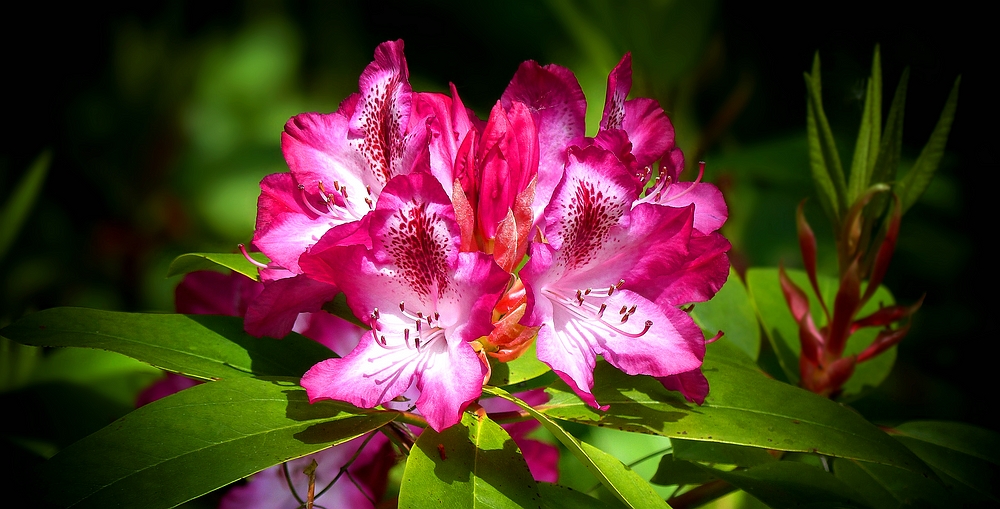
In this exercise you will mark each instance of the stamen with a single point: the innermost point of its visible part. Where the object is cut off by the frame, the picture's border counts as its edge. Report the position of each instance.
(246, 255)
(601, 312)
(308, 203)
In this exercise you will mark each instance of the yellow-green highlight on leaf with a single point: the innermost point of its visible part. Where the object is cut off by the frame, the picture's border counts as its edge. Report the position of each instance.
(473, 464)
(192, 262)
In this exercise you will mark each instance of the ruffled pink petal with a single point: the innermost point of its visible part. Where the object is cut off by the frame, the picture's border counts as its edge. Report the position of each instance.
(367, 377)
(698, 279)
(691, 384)
(619, 85)
(448, 122)
(377, 128)
(274, 311)
(649, 130)
(448, 382)
(285, 226)
(571, 358)
(710, 210)
(558, 106)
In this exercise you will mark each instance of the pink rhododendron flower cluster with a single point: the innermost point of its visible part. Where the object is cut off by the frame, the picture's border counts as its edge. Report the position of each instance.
(455, 239)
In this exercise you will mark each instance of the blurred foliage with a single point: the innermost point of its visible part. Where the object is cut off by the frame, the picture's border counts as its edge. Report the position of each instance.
(162, 118)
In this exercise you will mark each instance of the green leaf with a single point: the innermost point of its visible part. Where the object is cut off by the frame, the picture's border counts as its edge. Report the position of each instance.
(827, 172)
(19, 204)
(790, 484)
(236, 262)
(744, 407)
(867, 145)
(619, 479)
(721, 453)
(199, 346)
(916, 181)
(731, 312)
(517, 371)
(965, 457)
(783, 333)
(555, 496)
(885, 487)
(677, 471)
(198, 440)
(472, 464)
(892, 139)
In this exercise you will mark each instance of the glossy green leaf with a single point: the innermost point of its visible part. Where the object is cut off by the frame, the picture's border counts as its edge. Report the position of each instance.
(885, 487)
(824, 160)
(619, 479)
(783, 333)
(720, 453)
(200, 439)
(965, 457)
(472, 464)
(731, 312)
(916, 181)
(236, 262)
(790, 484)
(20, 201)
(867, 145)
(744, 407)
(200, 346)
(555, 496)
(517, 371)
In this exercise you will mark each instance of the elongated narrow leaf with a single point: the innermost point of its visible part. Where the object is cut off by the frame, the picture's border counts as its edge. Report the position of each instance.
(916, 181)
(192, 262)
(966, 458)
(200, 346)
(555, 496)
(867, 145)
(892, 137)
(744, 407)
(473, 464)
(885, 487)
(824, 160)
(782, 331)
(731, 312)
(19, 203)
(197, 440)
(619, 479)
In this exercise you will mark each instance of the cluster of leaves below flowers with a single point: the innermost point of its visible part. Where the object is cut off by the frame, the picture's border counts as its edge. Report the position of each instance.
(421, 214)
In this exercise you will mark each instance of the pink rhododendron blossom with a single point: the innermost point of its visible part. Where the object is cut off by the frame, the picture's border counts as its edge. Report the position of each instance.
(361, 483)
(424, 300)
(585, 281)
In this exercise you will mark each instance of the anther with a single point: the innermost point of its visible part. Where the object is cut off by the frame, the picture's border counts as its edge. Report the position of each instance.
(601, 312)
(369, 189)
(631, 309)
(402, 306)
(369, 202)
(622, 310)
(587, 291)
(620, 283)
(625, 318)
